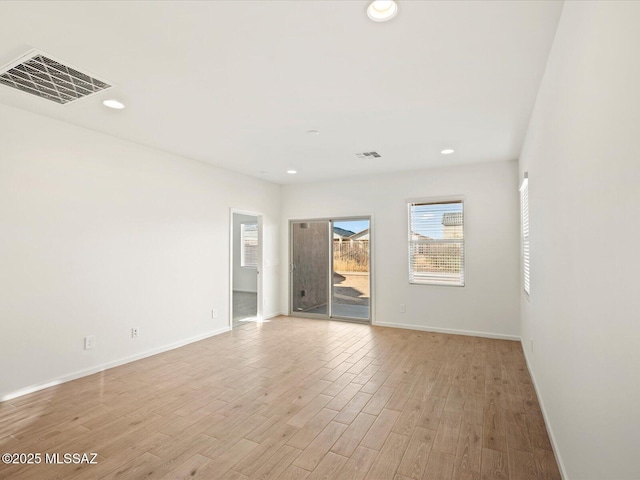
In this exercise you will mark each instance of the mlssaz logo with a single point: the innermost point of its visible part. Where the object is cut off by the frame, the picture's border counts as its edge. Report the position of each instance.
(71, 458)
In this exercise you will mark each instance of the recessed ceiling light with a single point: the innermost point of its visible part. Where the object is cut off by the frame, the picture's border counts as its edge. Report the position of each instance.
(292, 172)
(382, 10)
(113, 104)
(447, 151)
(313, 132)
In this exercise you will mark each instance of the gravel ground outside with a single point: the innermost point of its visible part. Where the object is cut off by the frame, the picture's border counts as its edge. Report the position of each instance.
(351, 288)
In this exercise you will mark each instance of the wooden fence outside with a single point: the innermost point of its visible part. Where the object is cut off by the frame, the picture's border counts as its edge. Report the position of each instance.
(351, 256)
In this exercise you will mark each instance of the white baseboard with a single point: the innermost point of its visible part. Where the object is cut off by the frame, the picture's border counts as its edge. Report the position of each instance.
(112, 364)
(554, 445)
(272, 315)
(451, 331)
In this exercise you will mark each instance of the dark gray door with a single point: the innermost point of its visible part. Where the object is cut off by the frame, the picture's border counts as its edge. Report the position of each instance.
(310, 268)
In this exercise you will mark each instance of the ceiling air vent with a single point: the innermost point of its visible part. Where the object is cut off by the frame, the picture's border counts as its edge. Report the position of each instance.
(40, 75)
(368, 155)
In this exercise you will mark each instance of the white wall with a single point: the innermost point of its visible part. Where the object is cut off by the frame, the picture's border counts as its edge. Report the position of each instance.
(245, 279)
(488, 303)
(583, 157)
(99, 235)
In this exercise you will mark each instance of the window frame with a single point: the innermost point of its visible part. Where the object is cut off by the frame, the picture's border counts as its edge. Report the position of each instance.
(243, 245)
(436, 201)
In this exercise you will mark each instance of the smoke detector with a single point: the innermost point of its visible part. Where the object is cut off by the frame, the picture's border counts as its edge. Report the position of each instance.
(368, 155)
(41, 75)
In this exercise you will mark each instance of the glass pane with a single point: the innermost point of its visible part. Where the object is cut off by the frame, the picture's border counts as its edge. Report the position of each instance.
(310, 268)
(436, 243)
(437, 221)
(249, 241)
(351, 286)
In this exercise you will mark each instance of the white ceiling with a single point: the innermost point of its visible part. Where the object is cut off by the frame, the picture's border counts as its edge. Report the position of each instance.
(238, 83)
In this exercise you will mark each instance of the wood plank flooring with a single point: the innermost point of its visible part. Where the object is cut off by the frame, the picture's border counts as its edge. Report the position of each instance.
(295, 399)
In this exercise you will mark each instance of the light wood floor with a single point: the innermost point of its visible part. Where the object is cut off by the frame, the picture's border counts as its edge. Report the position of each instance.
(295, 399)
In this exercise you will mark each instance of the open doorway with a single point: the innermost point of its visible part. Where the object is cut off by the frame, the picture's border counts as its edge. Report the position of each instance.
(246, 257)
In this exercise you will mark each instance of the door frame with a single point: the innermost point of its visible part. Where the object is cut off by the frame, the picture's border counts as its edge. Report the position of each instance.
(259, 269)
(329, 316)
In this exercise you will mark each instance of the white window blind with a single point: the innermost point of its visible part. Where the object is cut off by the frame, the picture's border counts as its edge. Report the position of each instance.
(249, 241)
(524, 213)
(436, 243)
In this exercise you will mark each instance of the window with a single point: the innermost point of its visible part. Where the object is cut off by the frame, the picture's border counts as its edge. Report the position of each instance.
(436, 243)
(249, 242)
(524, 217)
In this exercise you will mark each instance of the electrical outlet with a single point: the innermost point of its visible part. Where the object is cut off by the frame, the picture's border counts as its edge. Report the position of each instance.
(403, 308)
(135, 332)
(214, 313)
(89, 342)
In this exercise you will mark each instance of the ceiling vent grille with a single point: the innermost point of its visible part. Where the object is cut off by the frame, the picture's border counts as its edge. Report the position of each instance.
(40, 75)
(368, 155)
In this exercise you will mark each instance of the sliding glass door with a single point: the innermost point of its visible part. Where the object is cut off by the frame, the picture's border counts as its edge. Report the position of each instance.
(330, 268)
